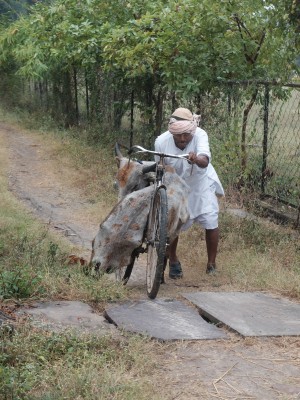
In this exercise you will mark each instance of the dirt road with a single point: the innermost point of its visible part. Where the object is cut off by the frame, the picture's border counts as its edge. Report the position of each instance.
(34, 180)
(238, 368)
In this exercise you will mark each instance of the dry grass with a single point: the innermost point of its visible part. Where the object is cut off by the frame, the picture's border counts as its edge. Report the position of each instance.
(55, 366)
(37, 364)
(238, 369)
(254, 255)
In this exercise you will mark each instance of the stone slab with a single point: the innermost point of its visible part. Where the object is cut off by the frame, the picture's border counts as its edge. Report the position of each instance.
(250, 314)
(61, 315)
(164, 319)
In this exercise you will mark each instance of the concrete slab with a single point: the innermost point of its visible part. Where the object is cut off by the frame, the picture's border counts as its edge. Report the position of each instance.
(61, 315)
(164, 319)
(250, 314)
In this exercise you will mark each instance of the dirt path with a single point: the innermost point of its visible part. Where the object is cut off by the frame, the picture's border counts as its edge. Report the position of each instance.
(34, 179)
(238, 368)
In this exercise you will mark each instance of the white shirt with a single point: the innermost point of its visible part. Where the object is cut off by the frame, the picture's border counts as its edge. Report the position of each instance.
(203, 182)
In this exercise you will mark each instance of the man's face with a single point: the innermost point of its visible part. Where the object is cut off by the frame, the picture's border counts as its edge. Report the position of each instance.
(182, 140)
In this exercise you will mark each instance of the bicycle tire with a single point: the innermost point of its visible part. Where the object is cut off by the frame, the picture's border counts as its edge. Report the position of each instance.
(156, 242)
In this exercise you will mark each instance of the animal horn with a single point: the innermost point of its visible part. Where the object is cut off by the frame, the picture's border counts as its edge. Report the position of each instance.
(149, 168)
(118, 151)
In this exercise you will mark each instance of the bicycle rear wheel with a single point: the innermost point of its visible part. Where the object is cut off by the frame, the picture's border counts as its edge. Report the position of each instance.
(156, 242)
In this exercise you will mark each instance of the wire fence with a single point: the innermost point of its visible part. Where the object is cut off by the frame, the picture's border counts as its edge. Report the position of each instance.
(254, 127)
(254, 132)
(262, 124)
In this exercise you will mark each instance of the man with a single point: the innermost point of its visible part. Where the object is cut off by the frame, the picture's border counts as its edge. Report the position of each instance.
(185, 137)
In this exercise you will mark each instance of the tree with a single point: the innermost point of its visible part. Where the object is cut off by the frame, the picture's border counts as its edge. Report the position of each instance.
(155, 48)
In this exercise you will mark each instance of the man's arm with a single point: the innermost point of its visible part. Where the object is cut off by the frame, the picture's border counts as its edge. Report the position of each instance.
(200, 160)
(201, 155)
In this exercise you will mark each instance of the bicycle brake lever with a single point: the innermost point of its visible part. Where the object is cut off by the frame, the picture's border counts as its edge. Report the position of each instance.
(135, 149)
(186, 157)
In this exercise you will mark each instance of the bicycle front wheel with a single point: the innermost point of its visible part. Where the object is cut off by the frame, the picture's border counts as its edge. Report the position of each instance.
(157, 241)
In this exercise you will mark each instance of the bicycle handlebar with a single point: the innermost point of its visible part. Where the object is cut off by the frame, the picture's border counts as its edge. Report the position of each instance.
(140, 149)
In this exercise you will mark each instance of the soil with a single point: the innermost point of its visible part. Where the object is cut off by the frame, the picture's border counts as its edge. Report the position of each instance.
(238, 368)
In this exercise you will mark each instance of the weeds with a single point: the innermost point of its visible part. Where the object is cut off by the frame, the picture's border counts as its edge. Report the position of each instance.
(20, 283)
(36, 365)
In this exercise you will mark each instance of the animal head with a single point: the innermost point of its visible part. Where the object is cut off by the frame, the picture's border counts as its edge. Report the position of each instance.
(132, 175)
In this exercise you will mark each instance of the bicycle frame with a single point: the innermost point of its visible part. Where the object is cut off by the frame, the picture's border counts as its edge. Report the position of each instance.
(155, 235)
(160, 168)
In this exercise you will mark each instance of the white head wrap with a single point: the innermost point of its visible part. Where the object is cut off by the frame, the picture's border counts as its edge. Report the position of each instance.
(183, 121)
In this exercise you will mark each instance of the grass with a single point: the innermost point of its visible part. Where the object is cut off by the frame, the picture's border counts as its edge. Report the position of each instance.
(254, 254)
(37, 365)
(34, 364)
(34, 264)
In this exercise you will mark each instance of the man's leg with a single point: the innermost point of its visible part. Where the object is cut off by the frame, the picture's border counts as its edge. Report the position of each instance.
(172, 251)
(212, 240)
(175, 271)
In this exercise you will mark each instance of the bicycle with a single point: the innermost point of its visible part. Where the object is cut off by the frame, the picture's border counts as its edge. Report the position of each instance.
(155, 239)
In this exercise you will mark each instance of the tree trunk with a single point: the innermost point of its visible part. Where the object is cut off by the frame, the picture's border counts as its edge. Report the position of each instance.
(87, 100)
(244, 128)
(69, 111)
(76, 96)
(159, 112)
(149, 88)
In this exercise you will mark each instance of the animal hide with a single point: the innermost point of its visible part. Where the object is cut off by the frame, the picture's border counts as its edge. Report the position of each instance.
(123, 229)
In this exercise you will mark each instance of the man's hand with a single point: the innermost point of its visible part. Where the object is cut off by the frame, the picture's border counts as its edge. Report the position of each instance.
(200, 161)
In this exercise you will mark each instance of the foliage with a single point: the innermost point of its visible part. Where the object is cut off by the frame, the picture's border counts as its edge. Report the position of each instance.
(189, 44)
(14, 8)
(161, 46)
(91, 62)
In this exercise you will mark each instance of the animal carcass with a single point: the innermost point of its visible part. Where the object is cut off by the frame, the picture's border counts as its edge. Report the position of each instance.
(123, 230)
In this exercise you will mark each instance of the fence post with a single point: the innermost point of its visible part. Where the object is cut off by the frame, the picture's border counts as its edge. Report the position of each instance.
(265, 138)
